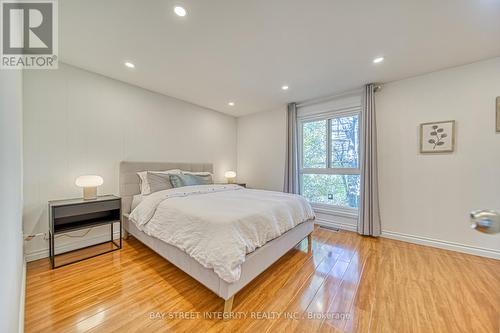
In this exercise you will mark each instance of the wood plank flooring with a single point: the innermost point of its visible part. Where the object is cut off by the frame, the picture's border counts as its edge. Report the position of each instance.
(348, 284)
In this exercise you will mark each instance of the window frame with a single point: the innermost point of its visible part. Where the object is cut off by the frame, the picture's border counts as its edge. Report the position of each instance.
(328, 116)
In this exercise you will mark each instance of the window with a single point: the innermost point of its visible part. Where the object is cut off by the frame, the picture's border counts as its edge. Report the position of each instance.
(329, 162)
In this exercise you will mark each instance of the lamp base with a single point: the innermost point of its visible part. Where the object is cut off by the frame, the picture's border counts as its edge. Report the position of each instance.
(90, 193)
(230, 180)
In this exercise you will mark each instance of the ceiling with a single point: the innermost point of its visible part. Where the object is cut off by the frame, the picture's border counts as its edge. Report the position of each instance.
(244, 51)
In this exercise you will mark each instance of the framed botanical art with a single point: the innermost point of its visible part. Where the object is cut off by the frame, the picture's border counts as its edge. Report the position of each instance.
(437, 137)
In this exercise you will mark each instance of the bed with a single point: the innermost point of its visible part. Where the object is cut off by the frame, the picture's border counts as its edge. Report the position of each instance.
(254, 263)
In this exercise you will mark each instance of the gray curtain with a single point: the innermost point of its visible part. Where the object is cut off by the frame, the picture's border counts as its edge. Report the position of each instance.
(369, 214)
(291, 184)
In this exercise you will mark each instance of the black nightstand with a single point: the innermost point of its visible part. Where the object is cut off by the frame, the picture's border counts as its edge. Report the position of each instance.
(76, 214)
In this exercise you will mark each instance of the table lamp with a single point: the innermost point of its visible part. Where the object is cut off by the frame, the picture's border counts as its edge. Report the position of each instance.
(89, 184)
(230, 176)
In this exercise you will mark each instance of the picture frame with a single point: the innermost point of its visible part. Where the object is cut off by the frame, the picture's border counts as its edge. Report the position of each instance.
(498, 115)
(437, 137)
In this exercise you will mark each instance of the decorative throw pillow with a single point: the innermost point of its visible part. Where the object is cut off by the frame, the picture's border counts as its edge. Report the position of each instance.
(196, 173)
(207, 176)
(189, 180)
(204, 174)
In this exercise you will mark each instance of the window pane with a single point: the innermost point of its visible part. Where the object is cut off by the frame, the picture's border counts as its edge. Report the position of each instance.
(345, 142)
(314, 144)
(338, 190)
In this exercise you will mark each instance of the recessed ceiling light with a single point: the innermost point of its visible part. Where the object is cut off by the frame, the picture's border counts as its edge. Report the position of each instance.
(378, 60)
(180, 11)
(284, 87)
(129, 64)
(230, 103)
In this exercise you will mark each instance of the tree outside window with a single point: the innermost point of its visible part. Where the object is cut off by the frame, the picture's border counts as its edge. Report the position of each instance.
(330, 161)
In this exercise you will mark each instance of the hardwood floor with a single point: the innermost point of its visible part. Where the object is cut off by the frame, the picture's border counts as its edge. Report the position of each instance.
(349, 283)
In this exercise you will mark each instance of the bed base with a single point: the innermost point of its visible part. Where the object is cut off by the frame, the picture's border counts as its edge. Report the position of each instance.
(255, 262)
(228, 303)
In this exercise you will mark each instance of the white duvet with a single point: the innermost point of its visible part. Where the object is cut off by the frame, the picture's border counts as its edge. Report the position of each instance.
(218, 225)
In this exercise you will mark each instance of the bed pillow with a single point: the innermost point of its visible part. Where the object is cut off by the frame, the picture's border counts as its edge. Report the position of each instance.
(158, 181)
(190, 179)
(144, 182)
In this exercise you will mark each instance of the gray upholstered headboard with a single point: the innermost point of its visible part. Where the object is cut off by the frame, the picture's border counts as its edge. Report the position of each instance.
(129, 181)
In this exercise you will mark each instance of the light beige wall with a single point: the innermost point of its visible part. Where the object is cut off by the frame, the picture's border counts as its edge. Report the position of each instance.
(262, 149)
(11, 236)
(77, 122)
(430, 196)
(424, 198)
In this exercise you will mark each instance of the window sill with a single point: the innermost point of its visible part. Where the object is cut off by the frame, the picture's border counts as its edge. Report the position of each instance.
(335, 210)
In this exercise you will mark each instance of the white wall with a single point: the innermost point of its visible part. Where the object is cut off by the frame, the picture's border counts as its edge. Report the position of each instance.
(424, 198)
(11, 236)
(430, 196)
(77, 122)
(262, 149)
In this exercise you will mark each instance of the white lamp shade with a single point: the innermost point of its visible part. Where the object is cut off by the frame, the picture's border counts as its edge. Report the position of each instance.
(230, 174)
(89, 181)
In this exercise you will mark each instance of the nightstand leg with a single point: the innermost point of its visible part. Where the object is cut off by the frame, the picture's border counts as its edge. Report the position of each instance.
(121, 230)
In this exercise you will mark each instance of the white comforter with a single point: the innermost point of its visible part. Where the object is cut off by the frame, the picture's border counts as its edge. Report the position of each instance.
(218, 225)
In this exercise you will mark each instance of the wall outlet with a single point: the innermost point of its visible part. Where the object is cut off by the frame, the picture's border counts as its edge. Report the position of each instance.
(31, 236)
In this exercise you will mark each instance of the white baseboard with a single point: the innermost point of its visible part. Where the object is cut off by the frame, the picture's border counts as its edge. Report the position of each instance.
(22, 299)
(437, 243)
(441, 244)
(335, 225)
(86, 241)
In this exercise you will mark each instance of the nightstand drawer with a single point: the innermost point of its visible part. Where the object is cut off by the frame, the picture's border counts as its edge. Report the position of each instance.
(87, 208)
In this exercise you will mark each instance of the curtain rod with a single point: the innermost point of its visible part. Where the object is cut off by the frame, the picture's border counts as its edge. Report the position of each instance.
(378, 87)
